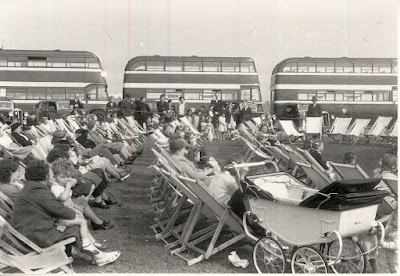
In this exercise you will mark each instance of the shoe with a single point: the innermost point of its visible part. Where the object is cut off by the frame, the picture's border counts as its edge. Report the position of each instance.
(90, 249)
(107, 258)
(124, 175)
(110, 202)
(101, 205)
(104, 226)
(132, 158)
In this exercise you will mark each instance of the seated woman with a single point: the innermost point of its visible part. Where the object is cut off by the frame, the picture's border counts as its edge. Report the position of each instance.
(224, 184)
(269, 132)
(36, 210)
(316, 151)
(179, 149)
(10, 174)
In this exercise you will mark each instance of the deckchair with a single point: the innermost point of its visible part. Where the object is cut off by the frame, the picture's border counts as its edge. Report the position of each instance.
(339, 128)
(19, 253)
(186, 122)
(392, 184)
(356, 130)
(280, 157)
(379, 127)
(390, 135)
(257, 121)
(316, 178)
(292, 167)
(290, 131)
(174, 230)
(314, 126)
(6, 205)
(251, 126)
(252, 151)
(224, 216)
(347, 171)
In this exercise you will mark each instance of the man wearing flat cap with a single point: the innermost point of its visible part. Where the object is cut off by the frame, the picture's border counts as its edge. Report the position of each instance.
(314, 109)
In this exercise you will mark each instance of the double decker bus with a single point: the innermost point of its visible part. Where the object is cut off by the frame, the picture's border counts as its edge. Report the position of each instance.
(195, 78)
(28, 76)
(353, 87)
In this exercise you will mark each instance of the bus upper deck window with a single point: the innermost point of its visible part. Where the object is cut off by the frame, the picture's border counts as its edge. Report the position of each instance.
(56, 62)
(395, 69)
(210, 66)
(381, 68)
(230, 67)
(173, 66)
(139, 66)
(247, 67)
(192, 66)
(366, 68)
(291, 67)
(155, 66)
(37, 61)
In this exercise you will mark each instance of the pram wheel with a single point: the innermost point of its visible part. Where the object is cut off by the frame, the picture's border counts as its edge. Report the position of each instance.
(307, 259)
(268, 256)
(351, 259)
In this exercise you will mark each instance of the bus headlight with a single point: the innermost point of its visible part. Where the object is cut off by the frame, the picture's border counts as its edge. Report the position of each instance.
(333, 117)
(10, 114)
(103, 74)
(26, 114)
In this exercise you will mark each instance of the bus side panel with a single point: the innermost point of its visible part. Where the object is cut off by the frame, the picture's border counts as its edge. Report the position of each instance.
(339, 80)
(49, 76)
(190, 78)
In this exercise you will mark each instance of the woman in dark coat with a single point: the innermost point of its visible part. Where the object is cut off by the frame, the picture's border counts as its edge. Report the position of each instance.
(36, 209)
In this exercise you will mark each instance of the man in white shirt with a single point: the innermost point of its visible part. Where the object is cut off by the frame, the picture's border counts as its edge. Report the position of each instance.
(182, 107)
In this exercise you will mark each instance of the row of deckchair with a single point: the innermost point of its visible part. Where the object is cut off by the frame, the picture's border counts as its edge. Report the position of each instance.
(343, 130)
(191, 228)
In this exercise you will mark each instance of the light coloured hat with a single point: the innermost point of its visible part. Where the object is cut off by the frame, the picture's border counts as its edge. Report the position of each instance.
(163, 142)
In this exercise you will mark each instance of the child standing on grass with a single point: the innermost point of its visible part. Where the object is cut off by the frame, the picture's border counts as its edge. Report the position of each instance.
(389, 243)
(222, 128)
(210, 131)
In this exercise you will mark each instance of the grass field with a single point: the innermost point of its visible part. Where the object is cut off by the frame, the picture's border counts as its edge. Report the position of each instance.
(141, 253)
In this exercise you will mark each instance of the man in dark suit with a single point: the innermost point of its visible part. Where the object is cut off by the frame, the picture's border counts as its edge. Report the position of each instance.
(162, 106)
(314, 109)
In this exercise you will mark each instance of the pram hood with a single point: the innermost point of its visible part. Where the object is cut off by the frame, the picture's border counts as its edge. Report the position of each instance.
(346, 194)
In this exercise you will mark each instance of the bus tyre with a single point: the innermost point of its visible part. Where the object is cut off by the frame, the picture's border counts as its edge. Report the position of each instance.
(100, 114)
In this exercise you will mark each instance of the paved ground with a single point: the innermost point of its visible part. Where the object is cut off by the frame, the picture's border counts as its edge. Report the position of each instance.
(141, 253)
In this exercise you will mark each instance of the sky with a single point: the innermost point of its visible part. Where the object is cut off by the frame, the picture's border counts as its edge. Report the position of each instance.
(266, 30)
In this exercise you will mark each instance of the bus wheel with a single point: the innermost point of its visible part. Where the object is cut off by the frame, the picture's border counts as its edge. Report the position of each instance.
(100, 114)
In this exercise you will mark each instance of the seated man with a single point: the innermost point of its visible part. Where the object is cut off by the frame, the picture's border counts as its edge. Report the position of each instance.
(17, 151)
(37, 151)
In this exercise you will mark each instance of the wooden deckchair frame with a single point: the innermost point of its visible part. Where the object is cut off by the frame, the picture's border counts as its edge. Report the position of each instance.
(390, 135)
(15, 253)
(356, 130)
(224, 215)
(342, 171)
(318, 179)
(285, 124)
(313, 122)
(339, 128)
(379, 127)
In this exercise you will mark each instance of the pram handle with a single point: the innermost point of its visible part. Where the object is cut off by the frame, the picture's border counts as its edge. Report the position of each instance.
(247, 165)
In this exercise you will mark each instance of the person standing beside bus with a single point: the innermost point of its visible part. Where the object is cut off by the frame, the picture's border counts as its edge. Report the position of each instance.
(182, 108)
(162, 106)
(75, 104)
(111, 106)
(314, 109)
(126, 106)
(143, 111)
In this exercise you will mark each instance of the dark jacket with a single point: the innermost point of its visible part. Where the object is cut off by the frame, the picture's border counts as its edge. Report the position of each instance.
(21, 140)
(35, 211)
(318, 157)
(314, 111)
(162, 106)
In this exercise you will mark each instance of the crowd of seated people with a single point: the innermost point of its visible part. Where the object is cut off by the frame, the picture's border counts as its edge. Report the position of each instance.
(62, 169)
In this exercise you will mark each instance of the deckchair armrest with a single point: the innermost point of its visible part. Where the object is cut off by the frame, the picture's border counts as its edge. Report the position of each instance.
(60, 243)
